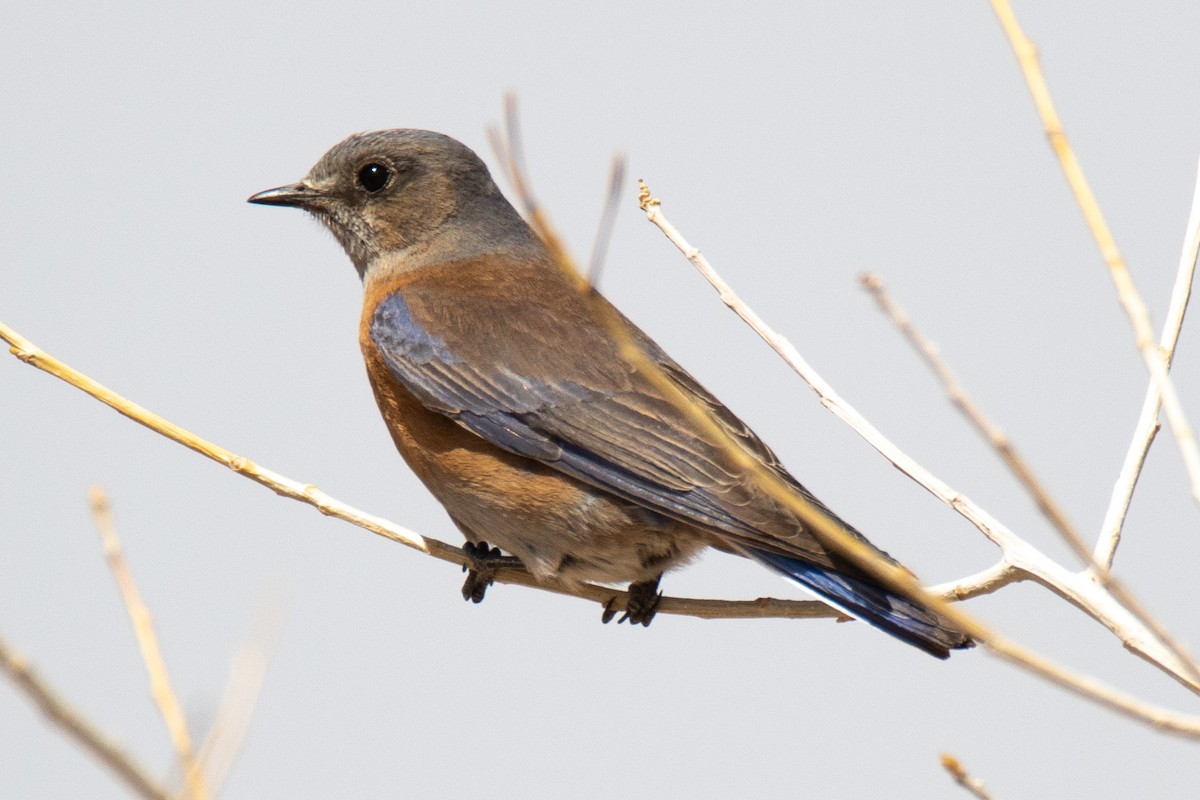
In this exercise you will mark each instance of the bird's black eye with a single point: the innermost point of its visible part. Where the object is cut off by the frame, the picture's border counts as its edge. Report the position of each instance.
(373, 177)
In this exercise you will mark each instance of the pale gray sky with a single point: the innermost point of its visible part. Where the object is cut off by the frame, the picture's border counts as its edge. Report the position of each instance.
(797, 147)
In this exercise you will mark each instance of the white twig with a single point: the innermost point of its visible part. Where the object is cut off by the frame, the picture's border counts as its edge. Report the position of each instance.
(1023, 472)
(1147, 424)
(1127, 293)
(990, 431)
(1018, 555)
(985, 581)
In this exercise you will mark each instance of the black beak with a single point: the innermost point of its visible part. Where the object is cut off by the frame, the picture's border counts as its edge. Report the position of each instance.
(296, 194)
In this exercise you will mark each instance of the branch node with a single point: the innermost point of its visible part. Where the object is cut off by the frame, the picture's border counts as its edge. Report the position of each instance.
(645, 200)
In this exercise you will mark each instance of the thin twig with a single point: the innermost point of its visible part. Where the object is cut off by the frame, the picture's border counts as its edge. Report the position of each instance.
(1147, 424)
(1018, 554)
(506, 143)
(832, 533)
(90, 737)
(223, 743)
(608, 218)
(985, 581)
(1022, 470)
(143, 627)
(1127, 294)
(762, 608)
(1016, 463)
(830, 530)
(963, 778)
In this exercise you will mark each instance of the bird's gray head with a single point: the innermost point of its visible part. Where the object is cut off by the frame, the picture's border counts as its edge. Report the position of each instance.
(398, 191)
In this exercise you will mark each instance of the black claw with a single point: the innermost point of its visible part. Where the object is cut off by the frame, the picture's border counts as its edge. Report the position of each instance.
(641, 606)
(609, 611)
(484, 562)
(475, 586)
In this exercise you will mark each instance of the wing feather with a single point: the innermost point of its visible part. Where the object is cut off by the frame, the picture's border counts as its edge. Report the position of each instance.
(565, 397)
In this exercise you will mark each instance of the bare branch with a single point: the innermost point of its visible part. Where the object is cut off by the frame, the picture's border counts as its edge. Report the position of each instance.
(612, 202)
(510, 152)
(143, 627)
(1023, 471)
(1020, 559)
(1127, 293)
(985, 581)
(991, 432)
(1147, 424)
(830, 530)
(246, 674)
(91, 738)
(963, 778)
(1018, 555)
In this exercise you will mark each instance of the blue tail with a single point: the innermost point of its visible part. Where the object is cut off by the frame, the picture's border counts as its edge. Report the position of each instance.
(887, 611)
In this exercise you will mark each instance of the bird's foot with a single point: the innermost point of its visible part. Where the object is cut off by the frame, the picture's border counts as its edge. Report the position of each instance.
(485, 561)
(641, 605)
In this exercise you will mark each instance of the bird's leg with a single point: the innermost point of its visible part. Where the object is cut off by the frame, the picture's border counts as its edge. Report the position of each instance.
(641, 605)
(485, 561)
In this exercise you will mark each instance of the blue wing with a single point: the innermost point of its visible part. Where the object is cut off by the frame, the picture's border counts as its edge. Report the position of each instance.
(613, 433)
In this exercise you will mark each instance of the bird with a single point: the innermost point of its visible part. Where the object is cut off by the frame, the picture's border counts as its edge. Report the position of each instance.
(543, 420)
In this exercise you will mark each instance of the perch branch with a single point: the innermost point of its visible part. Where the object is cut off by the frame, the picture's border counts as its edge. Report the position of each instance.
(761, 608)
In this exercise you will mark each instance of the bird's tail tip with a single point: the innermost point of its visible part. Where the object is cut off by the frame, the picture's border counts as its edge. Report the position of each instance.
(873, 604)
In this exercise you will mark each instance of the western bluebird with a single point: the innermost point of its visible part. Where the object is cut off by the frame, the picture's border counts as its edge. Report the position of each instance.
(508, 395)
